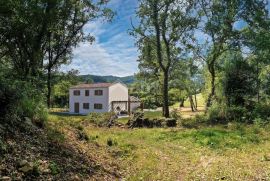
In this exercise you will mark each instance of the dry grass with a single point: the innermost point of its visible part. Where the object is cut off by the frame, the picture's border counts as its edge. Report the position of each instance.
(237, 152)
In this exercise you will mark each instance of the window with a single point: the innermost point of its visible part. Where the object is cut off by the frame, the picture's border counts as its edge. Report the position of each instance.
(86, 92)
(76, 92)
(98, 92)
(86, 105)
(97, 106)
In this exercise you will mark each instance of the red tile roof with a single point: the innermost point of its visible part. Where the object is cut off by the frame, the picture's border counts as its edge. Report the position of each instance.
(96, 85)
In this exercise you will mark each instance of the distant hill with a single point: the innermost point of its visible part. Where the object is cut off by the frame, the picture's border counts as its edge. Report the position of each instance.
(109, 78)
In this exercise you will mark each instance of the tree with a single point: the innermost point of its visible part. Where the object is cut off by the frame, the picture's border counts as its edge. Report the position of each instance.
(66, 31)
(38, 35)
(218, 18)
(187, 78)
(165, 26)
(61, 84)
(256, 37)
(238, 80)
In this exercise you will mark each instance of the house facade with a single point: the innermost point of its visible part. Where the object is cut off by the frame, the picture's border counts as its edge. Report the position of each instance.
(100, 97)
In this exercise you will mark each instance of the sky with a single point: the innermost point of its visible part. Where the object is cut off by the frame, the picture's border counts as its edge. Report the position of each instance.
(114, 51)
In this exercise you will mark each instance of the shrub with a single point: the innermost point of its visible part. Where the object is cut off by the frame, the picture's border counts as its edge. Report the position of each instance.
(138, 120)
(3, 146)
(222, 114)
(82, 135)
(260, 122)
(195, 122)
(111, 142)
(99, 119)
(27, 102)
(171, 122)
(80, 127)
(236, 113)
(175, 114)
(262, 110)
(54, 168)
(216, 114)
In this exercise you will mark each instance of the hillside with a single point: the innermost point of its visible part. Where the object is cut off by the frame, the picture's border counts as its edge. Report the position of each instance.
(97, 78)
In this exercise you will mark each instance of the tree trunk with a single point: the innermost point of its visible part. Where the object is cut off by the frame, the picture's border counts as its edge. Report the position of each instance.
(182, 101)
(166, 95)
(49, 86)
(213, 88)
(196, 103)
(191, 103)
(258, 82)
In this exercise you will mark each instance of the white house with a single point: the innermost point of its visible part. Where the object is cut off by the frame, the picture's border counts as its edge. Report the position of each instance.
(101, 97)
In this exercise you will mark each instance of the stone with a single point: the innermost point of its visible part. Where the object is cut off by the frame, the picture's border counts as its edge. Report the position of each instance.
(46, 170)
(22, 163)
(27, 167)
(76, 178)
(170, 122)
(5, 178)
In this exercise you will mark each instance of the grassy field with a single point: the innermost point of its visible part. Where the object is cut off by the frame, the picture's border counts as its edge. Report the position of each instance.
(231, 152)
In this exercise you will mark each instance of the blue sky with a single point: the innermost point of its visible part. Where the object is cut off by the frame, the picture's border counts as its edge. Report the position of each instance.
(113, 52)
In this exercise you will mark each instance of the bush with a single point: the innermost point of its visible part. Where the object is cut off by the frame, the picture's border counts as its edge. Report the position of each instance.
(138, 120)
(111, 142)
(216, 114)
(27, 102)
(195, 122)
(54, 168)
(236, 113)
(3, 146)
(82, 135)
(262, 110)
(222, 114)
(175, 114)
(99, 119)
(260, 122)
(171, 122)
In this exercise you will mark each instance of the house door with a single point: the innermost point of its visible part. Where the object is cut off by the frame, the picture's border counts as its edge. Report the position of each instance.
(76, 107)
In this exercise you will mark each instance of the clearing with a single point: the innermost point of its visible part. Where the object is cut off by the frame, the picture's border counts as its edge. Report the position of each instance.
(222, 152)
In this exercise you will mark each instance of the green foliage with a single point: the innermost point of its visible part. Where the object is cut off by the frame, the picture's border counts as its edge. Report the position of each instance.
(216, 114)
(111, 142)
(175, 114)
(262, 110)
(195, 122)
(236, 113)
(55, 135)
(3, 146)
(99, 119)
(20, 99)
(54, 168)
(239, 80)
(34, 109)
(82, 135)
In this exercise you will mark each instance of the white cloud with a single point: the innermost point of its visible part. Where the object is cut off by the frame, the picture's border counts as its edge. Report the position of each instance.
(113, 52)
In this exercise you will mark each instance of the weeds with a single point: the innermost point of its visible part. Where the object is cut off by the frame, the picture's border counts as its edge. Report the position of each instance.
(54, 168)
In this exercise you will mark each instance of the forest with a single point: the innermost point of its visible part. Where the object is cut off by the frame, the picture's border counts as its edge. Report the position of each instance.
(203, 78)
